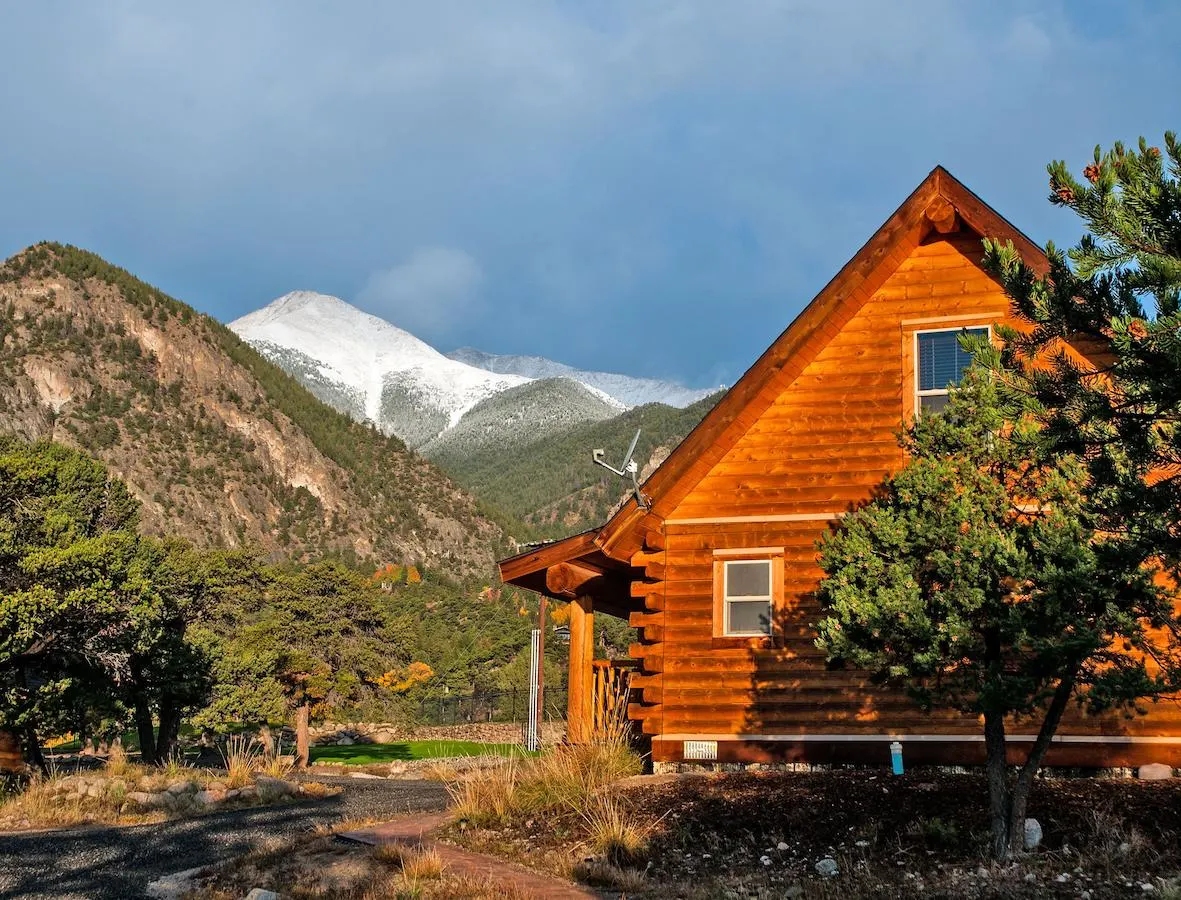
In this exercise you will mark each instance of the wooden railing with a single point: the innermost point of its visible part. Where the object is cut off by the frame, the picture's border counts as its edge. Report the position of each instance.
(609, 704)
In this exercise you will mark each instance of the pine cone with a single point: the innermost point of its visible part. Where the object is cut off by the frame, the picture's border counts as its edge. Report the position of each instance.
(1137, 329)
(1154, 151)
(1065, 194)
(1092, 173)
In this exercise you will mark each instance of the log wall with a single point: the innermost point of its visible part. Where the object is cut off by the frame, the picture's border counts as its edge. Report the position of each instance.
(823, 445)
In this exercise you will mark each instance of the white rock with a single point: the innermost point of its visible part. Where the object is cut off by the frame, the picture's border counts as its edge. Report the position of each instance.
(174, 886)
(1031, 877)
(1154, 772)
(1147, 888)
(861, 844)
(261, 894)
(782, 845)
(1033, 833)
(1063, 878)
(827, 867)
(765, 860)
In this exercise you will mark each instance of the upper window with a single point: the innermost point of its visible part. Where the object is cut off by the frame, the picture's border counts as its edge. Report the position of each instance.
(747, 597)
(941, 363)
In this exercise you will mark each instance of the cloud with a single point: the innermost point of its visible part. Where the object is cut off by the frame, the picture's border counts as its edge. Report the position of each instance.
(429, 294)
(623, 170)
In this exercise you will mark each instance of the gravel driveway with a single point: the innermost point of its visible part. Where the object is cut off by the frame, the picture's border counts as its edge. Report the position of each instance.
(119, 862)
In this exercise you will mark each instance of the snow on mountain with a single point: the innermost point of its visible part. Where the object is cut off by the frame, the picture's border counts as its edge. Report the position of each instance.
(522, 415)
(367, 367)
(626, 389)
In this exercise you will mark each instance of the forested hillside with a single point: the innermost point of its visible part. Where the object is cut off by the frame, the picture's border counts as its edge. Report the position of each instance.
(552, 485)
(219, 445)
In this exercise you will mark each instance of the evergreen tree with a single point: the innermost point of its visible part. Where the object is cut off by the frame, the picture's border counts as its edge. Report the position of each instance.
(67, 539)
(1101, 366)
(977, 578)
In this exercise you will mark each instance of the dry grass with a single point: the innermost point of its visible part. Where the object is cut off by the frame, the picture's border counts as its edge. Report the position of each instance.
(615, 833)
(440, 771)
(42, 805)
(240, 759)
(604, 875)
(566, 777)
(317, 790)
(415, 863)
(118, 765)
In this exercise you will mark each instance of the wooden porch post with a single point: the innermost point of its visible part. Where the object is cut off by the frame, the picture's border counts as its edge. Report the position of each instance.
(580, 700)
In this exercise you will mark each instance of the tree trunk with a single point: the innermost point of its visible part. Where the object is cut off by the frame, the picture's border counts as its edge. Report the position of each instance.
(999, 797)
(33, 750)
(143, 726)
(1020, 796)
(302, 751)
(169, 730)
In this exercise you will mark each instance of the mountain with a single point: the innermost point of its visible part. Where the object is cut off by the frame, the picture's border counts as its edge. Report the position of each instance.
(628, 390)
(366, 367)
(520, 415)
(219, 445)
(551, 483)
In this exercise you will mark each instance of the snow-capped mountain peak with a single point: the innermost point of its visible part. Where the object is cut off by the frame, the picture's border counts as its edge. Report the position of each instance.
(625, 389)
(372, 368)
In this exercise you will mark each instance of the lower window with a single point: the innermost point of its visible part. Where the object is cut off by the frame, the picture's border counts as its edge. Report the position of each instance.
(747, 599)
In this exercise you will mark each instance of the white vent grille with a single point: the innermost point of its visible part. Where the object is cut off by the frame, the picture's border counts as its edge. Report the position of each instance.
(701, 750)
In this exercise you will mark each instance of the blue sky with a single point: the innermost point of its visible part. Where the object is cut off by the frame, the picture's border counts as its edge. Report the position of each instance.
(648, 186)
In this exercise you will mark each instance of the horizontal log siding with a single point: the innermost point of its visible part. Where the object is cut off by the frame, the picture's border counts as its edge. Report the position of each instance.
(822, 446)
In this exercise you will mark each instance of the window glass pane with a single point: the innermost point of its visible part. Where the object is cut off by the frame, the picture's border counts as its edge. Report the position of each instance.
(941, 358)
(748, 578)
(750, 617)
(933, 402)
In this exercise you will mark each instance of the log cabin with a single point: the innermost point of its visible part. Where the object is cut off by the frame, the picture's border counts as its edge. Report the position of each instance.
(717, 568)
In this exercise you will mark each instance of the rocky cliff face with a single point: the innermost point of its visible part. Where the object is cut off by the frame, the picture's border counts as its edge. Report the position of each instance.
(220, 445)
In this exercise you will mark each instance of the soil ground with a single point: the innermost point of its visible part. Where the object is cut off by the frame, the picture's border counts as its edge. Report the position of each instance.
(923, 834)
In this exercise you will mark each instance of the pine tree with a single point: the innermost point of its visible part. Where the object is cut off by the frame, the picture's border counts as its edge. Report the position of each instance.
(1101, 366)
(976, 578)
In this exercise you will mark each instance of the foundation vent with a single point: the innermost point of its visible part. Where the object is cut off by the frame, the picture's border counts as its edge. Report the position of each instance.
(700, 750)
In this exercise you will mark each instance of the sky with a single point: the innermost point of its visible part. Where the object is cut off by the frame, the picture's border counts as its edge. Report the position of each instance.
(655, 187)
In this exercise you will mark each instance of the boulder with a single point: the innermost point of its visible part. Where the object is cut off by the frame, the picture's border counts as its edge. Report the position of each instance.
(209, 797)
(344, 741)
(275, 786)
(174, 886)
(827, 867)
(1033, 834)
(1154, 772)
(181, 787)
(261, 894)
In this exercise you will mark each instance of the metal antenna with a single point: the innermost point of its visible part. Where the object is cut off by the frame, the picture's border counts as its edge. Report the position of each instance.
(628, 467)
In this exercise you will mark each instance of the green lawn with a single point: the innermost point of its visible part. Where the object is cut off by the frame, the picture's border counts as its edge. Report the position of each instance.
(367, 754)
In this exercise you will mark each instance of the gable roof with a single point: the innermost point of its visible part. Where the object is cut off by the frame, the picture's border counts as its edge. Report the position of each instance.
(940, 204)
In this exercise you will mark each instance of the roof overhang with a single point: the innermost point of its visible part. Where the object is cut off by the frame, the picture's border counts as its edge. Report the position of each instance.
(574, 567)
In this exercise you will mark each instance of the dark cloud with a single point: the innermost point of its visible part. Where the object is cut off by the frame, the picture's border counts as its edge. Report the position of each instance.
(655, 186)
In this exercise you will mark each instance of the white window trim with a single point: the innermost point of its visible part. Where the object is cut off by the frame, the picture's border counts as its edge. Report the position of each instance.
(936, 392)
(769, 599)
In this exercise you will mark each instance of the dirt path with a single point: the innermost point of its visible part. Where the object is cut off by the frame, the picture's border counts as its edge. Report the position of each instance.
(416, 830)
(119, 862)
